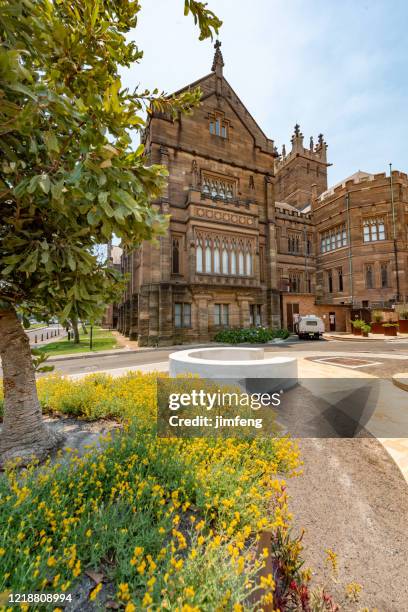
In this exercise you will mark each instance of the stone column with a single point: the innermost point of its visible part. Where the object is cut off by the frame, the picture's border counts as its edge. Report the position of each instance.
(244, 319)
(144, 316)
(202, 312)
(165, 309)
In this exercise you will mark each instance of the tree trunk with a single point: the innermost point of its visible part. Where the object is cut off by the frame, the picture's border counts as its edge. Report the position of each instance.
(74, 323)
(24, 434)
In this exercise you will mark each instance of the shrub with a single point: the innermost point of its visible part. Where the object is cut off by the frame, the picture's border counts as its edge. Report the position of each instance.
(357, 323)
(253, 335)
(377, 316)
(366, 328)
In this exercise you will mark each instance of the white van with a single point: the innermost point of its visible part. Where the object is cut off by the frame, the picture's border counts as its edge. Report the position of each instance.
(309, 326)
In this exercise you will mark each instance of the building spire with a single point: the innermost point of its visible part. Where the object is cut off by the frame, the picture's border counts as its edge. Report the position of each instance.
(218, 62)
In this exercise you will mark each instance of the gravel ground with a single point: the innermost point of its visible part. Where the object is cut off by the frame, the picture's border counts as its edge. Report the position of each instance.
(353, 499)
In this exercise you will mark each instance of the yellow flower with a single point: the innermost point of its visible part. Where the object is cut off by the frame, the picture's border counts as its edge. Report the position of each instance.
(267, 582)
(95, 591)
(123, 592)
(331, 559)
(77, 569)
(51, 561)
(147, 600)
(189, 592)
(130, 607)
(353, 591)
(88, 533)
(2, 552)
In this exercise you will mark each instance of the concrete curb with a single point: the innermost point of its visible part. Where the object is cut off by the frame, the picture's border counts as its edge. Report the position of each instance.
(148, 349)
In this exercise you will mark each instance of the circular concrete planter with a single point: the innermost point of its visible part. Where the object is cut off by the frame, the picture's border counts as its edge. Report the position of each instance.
(240, 364)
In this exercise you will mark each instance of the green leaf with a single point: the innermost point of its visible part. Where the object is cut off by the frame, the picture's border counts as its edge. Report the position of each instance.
(44, 182)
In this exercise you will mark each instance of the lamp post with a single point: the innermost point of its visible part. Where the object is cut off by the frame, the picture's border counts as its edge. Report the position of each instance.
(90, 338)
(394, 236)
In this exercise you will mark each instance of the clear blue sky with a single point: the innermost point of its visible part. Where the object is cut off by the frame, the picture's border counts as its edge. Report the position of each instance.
(334, 67)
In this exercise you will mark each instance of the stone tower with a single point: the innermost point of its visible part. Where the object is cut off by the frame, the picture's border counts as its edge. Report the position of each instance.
(297, 171)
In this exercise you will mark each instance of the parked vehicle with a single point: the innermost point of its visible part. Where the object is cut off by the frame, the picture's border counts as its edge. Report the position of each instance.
(309, 327)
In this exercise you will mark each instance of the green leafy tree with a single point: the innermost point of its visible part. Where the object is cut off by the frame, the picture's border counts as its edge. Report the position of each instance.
(69, 179)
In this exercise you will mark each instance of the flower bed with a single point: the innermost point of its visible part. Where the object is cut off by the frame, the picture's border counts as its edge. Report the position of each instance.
(159, 522)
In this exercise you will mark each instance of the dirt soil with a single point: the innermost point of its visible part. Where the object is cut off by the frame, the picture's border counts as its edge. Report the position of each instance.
(353, 499)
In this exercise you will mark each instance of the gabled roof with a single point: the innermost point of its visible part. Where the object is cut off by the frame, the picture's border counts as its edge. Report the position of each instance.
(215, 83)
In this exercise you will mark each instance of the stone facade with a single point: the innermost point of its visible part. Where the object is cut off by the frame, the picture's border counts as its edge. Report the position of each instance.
(246, 227)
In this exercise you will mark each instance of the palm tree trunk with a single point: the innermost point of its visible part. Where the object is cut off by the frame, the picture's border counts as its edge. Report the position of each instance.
(24, 434)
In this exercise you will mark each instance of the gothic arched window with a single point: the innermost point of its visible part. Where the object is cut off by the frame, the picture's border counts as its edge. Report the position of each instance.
(241, 270)
(249, 263)
(233, 259)
(199, 256)
(225, 267)
(175, 255)
(217, 269)
(207, 256)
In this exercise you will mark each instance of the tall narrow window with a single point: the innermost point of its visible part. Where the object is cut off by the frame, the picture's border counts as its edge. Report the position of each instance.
(241, 263)
(221, 314)
(199, 257)
(340, 278)
(369, 278)
(233, 260)
(249, 264)
(177, 314)
(255, 318)
(207, 256)
(330, 281)
(175, 256)
(225, 268)
(182, 314)
(217, 257)
(384, 275)
(262, 264)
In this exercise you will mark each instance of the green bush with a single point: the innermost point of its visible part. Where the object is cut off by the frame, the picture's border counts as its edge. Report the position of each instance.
(358, 323)
(252, 335)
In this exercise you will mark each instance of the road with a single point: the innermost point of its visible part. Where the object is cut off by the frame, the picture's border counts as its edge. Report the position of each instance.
(51, 330)
(124, 359)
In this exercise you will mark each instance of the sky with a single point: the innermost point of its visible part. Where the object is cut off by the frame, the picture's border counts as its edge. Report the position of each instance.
(336, 67)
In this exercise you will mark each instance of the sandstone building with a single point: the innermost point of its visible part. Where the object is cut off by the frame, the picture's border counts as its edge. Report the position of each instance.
(256, 236)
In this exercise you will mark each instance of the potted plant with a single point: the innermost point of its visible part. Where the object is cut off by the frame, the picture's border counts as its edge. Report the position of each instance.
(365, 330)
(403, 322)
(390, 329)
(377, 322)
(357, 325)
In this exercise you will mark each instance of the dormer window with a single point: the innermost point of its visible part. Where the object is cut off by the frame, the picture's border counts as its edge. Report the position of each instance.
(218, 125)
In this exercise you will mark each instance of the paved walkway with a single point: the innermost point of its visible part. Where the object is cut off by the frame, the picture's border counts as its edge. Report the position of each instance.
(346, 336)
